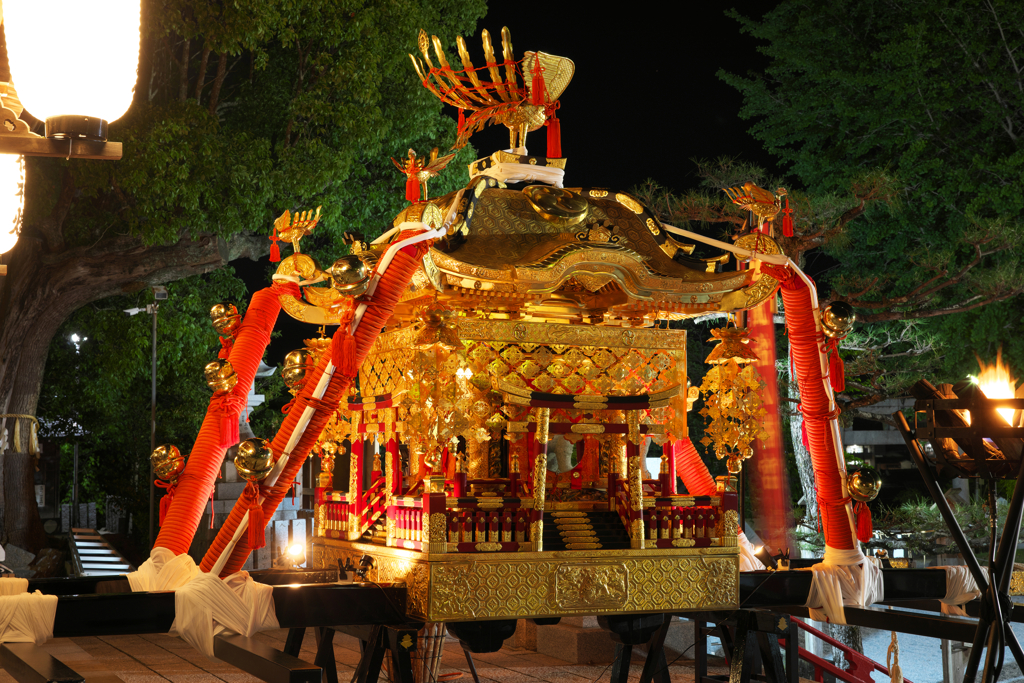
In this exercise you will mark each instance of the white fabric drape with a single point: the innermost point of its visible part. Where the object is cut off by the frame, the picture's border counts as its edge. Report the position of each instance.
(27, 618)
(163, 571)
(208, 606)
(748, 562)
(13, 586)
(515, 173)
(844, 577)
(960, 588)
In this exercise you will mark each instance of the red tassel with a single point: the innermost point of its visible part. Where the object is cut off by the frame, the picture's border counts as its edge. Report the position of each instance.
(836, 369)
(275, 251)
(412, 188)
(803, 435)
(462, 119)
(554, 137)
(537, 87)
(165, 502)
(787, 220)
(257, 525)
(864, 527)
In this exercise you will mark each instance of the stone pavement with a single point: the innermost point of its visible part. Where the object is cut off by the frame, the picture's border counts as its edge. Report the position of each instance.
(156, 658)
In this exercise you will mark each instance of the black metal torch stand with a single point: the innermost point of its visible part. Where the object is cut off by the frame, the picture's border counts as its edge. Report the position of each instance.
(983, 458)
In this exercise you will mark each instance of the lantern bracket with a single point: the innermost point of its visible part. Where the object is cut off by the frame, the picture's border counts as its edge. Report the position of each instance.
(17, 138)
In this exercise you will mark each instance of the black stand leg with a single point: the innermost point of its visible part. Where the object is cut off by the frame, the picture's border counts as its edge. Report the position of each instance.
(325, 654)
(656, 666)
(368, 670)
(771, 657)
(293, 643)
(700, 650)
(472, 665)
(401, 642)
(620, 669)
(744, 654)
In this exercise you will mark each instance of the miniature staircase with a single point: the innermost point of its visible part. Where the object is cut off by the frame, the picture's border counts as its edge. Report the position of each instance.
(593, 530)
(93, 556)
(376, 532)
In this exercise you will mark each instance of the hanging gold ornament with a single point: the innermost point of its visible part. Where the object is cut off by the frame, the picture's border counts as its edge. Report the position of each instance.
(225, 319)
(168, 462)
(864, 484)
(350, 275)
(298, 365)
(255, 459)
(220, 376)
(438, 328)
(732, 400)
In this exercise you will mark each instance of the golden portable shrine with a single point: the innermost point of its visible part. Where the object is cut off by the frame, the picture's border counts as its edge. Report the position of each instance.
(492, 453)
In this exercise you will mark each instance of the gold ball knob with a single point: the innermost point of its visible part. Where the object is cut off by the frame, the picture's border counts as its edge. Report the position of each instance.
(734, 465)
(864, 484)
(298, 365)
(220, 376)
(255, 459)
(168, 462)
(349, 275)
(837, 319)
(225, 319)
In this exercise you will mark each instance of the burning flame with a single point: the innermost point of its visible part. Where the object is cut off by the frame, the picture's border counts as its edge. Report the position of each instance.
(995, 381)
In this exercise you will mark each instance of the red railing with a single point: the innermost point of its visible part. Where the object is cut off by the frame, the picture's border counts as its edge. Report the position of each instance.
(860, 665)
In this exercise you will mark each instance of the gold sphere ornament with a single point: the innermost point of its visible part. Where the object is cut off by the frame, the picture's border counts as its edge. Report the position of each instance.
(350, 275)
(298, 365)
(864, 484)
(220, 376)
(225, 319)
(168, 462)
(255, 459)
(837, 319)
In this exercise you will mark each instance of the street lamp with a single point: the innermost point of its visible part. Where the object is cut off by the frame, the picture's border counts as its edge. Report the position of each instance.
(76, 74)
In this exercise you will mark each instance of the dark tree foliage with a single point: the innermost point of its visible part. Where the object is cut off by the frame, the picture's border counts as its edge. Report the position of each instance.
(241, 110)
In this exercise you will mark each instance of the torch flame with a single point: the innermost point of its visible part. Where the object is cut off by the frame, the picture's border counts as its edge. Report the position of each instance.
(995, 381)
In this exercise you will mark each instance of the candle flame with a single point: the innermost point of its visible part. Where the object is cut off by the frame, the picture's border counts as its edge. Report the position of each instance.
(995, 381)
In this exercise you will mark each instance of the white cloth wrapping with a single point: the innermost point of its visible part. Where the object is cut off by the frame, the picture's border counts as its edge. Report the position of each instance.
(515, 173)
(748, 562)
(960, 588)
(845, 577)
(205, 605)
(27, 618)
(163, 571)
(13, 586)
(208, 606)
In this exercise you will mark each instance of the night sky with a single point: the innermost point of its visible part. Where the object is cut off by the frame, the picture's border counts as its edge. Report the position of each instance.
(643, 102)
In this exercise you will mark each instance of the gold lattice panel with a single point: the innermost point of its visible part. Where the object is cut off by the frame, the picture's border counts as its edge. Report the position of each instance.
(552, 358)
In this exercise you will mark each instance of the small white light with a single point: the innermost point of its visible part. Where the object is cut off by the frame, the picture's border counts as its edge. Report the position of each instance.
(296, 550)
(12, 199)
(75, 338)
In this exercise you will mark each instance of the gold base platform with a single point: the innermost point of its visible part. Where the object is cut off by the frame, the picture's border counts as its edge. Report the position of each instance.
(480, 586)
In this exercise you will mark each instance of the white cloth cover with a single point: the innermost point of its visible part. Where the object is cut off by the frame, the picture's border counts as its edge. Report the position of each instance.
(844, 577)
(748, 562)
(515, 173)
(13, 586)
(205, 605)
(960, 588)
(208, 606)
(163, 571)
(27, 618)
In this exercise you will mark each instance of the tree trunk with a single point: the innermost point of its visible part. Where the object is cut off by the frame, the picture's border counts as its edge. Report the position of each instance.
(849, 636)
(39, 293)
(803, 456)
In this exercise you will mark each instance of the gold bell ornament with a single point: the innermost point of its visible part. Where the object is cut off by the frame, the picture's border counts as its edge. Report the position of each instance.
(168, 463)
(837, 320)
(220, 376)
(225, 319)
(350, 275)
(732, 399)
(254, 462)
(863, 485)
(298, 366)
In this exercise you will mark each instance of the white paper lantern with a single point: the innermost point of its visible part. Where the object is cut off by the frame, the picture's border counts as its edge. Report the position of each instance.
(74, 64)
(12, 199)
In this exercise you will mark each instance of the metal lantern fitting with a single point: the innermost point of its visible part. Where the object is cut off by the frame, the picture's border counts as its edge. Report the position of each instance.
(837, 319)
(255, 459)
(76, 74)
(864, 484)
(168, 462)
(220, 376)
(225, 319)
